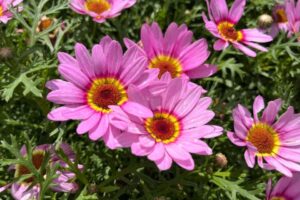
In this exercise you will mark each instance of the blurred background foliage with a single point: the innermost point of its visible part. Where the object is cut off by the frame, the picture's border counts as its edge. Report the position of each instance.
(29, 60)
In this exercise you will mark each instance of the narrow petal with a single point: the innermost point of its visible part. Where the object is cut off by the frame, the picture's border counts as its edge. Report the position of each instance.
(237, 10)
(220, 44)
(258, 105)
(271, 111)
(88, 124)
(250, 158)
(137, 110)
(203, 71)
(244, 49)
(100, 130)
(254, 35)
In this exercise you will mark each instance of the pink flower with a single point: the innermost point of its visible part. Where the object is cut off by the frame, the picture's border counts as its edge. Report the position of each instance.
(100, 10)
(63, 183)
(277, 143)
(280, 20)
(93, 82)
(222, 25)
(174, 52)
(169, 127)
(285, 189)
(293, 15)
(5, 14)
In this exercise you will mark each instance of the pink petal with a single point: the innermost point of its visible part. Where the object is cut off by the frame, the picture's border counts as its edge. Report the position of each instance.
(85, 60)
(219, 9)
(271, 111)
(172, 94)
(220, 44)
(203, 71)
(137, 110)
(278, 166)
(254, 35)
(258, 105)
(146, 141)
(250, 158)
(237, 10)
(114, 61)
(101, 129)
(244, 49)
(99, 60)
(88, 124)
(138, 150)
(165, 163)
(235, 140)
(158, 152)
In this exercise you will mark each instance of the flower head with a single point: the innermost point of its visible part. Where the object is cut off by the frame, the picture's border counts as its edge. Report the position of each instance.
(93, 83)
(169, 127)
(45, 23)
(280, 20)
(25, 190)
(174, 52)
(285, 189)
(293, 16)
(222, 25)
(100, 10)
(274, 143)
(5, 14)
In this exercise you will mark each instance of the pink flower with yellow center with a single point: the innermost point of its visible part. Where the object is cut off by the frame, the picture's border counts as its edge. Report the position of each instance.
(93, 83)
(280, 20)
(26, 189)
(222, 25)
(5, 14)
(100, 10)
(285, 189)
(174, 52)
(169, 126)
(293, 15)
(275, 144)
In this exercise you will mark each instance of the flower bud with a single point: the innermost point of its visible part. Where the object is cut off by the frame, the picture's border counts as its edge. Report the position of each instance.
(264, 21)
(5, 52)
(221, 160)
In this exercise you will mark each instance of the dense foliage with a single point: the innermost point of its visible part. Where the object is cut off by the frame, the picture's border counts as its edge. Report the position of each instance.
(29, 59)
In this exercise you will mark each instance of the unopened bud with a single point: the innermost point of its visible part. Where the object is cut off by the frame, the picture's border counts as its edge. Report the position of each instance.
(264, 21)
(5, 52)
(221, 160)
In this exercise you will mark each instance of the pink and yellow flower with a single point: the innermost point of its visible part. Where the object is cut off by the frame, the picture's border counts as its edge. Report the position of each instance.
(285, 189)
(100, 10)
(169, 127)
(275, 144)
(25, 190)
(293, 15)
(93, 83)
(222, 25)
(174, 52)
(280, 20)
(5, 14)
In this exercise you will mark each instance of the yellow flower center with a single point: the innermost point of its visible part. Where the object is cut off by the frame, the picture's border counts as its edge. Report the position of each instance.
(37, 160)
(1, 11)
(278, 198)
(228, 32)
(264, 138)
(104, 92)
(163, 127)
(281, 16)
(97, 6)
(45, 24)
(166, 64)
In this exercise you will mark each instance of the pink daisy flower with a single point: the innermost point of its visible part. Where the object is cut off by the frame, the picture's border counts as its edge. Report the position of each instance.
(222, 25)
(169, 127)
(285, 189)
(174, 52)
(93, 82)
(293, 15)
(63, 183)
(275, 144)
(280, 20)
(5, 14)
(100, 10)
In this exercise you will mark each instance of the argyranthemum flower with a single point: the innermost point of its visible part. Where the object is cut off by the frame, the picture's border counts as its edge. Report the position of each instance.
(285, 189)
(280, 20)
(174, 52)
(26, 190)
(169, 127)
(222, 25)
(275, 144)
(5, 14)
(293, 15)
(93, 83)
(100, 10)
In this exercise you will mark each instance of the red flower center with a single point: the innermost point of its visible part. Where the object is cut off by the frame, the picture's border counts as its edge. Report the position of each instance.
(163, 127)
(166, 64)
(37, 160)
(105, 92)
(1, 11)
(278, 198)
(228, 32)
(97, 6)
(264, 138)
(281, 16)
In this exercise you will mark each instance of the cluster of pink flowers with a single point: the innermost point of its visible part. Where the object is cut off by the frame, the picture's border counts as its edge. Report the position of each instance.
(143, 98)
(5, 5)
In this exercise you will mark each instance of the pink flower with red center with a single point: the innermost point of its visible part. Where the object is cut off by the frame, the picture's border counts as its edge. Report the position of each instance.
(24, 190)
(93, 83)
(293, 15)
(275, 143)
(222, 25)
(169, 127)
(174, 52)
(100, 10)
(286, 189)
(280, 20)
(5, 14)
